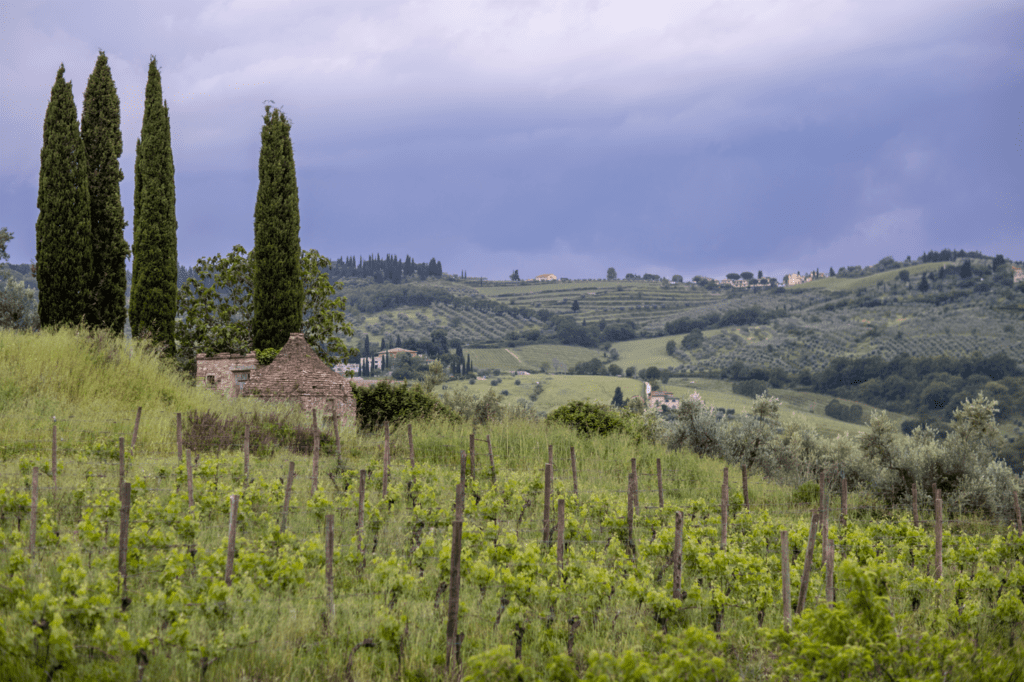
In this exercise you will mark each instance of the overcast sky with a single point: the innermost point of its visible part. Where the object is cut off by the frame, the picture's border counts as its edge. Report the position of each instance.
(676, 137)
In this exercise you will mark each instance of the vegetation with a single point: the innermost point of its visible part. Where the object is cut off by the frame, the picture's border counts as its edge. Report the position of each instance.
(277, 291)
(63, 243)
(101, 134)
(154, 294)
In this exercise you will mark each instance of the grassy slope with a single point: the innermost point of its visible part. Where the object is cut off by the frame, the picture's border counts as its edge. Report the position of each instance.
(854, 283)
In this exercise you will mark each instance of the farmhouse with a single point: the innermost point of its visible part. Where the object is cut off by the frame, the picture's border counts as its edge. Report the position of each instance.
(662, 399)
(545, 278)
(225, 372)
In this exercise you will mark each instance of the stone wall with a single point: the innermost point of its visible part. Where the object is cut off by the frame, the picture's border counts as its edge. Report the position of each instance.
(225, 372)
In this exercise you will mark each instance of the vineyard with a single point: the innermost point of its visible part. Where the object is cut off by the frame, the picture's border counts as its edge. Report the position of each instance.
(516, 552)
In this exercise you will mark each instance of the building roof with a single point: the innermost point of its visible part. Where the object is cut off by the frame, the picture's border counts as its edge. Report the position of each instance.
(297, 373)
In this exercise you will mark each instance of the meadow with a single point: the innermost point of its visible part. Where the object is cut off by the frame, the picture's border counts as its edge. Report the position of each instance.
(344, 570)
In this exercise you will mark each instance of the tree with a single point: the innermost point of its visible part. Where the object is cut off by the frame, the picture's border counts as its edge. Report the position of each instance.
(966, 272)
(18, 308)
(155, 241)
(575, 306)
(101, 134)
(733, 275)
(904, 275)
(746, 275)
(677, 278)
(923, 285)
(276, 253)
(63, 244)
(760, 274)
(514, 276)
(618, 400)
(612, 274)
(670, 347)
(217, 310)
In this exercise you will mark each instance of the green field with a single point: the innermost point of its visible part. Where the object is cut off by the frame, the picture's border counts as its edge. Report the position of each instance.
(887, 277)
(558, 389)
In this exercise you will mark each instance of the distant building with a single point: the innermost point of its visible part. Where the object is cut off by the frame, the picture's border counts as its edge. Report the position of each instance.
(662, 399)
(1018, 274)
(545, 278)
(225, 372)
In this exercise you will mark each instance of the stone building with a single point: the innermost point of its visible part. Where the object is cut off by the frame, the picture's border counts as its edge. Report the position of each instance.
(225, 372)
(298, 374)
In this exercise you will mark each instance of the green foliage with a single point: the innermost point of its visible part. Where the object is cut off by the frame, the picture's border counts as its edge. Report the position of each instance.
(266, 356)
(154, 292)
(749, 387)
(101, 134)
(847, 413)
(18, 309)
(276, 255)
(63, 239)
(588, 419)
(396, 403)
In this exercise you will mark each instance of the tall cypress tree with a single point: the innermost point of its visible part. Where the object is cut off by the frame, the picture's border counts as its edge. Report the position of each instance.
(154, 298)
(101, 133)
(63, 254)
(276, 273)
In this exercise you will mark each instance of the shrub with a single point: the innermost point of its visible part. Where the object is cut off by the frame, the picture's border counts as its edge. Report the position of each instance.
(750, 388)
(588, 418)
(393, 402)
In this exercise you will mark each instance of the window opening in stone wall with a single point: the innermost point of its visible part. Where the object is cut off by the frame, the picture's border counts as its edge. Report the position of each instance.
(211, 379)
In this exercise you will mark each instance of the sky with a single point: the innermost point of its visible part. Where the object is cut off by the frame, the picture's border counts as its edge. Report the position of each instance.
(691, 138)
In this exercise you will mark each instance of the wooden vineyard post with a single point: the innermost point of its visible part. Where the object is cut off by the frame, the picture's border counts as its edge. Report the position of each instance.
(337, 435)
(723, 532)
(472, 455)
(824, 518)
(547, 505)
(661, 490)
(179, 437)
(387, 458)
(805, 578)
(677, 559)
(122, 545)
(33, 513)
(412, 450)
(490, 456)
(1016, 509)
(575, 482)
(842, 501)
(287, 495)
(830, 587)
(315, 476)
(636, 478)
(245, 452)
(329, 563)
(452, 654)
(188, 477)
(229, 564)
(787, 602)
(53, 456)
(121, 463)
(631, 491)
(360, 513)
(938, 533)
(560, 531)
(462, 468)
(746, 496)
(135, 431)
(913, 504)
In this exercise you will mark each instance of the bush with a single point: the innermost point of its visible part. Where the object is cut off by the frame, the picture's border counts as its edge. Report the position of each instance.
(750, 388)
(393, 402)
(588, 418)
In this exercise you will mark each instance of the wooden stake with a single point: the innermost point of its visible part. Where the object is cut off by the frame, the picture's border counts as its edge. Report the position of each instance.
(561, 532)
(337, 436)
(287, 495)
(360, 511)
(661, 490)
(824, 520)
(830, 589)
(575, 483)
(677, 559)
(53, 456)
(188, 478)
(490, 456)
(630, 511)
(33, 513)
(135, 431)
(1016, 509)
(842, 501)
(179, 437)
(746, 497)
(387, 458)
(315, 476)
(412, 451)
(245, 451)
(472, 455)
(121, 463)
(229, 564)
(329, 562)
(723, 531)
(122, 546)
(808, 564)
(462, 468)
(547, 504)
(913, 504)
(454, 580)
(938, 533)
(787, 603)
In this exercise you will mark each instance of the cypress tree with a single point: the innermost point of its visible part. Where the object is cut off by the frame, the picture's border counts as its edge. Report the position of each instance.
(154, 298)
(277, 278)
(63, 254)
(101, 134)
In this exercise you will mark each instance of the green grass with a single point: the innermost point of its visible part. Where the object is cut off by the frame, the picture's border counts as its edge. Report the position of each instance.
(558, 389)
(854, 283)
